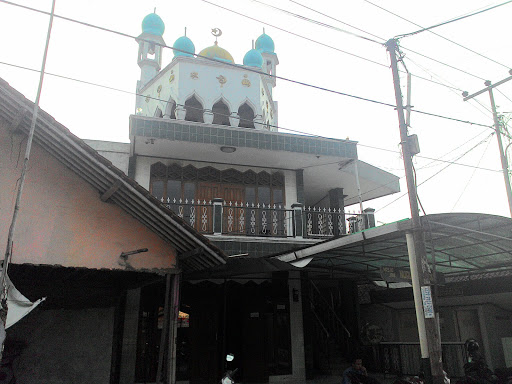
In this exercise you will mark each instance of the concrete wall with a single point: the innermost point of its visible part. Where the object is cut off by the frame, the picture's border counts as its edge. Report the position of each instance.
(498, 323)
(117, 153)
(62, 219)
(64, 346)
(175, 82)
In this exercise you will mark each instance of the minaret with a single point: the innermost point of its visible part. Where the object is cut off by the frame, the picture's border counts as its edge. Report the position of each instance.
(150, 52)
(265, 45)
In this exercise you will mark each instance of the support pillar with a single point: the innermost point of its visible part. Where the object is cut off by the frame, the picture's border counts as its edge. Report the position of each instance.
(297, 328)
(130, 333)
(298, 220)
(173, 329)
(337, 202)
(217, 215)
(369, 218)
(299, 182)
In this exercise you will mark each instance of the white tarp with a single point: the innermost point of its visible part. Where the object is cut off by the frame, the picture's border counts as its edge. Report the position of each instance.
(18, 305)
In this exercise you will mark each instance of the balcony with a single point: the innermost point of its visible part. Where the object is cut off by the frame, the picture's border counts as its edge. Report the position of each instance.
(228, 218)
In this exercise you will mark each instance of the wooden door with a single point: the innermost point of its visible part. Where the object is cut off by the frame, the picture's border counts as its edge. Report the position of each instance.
(205, 195)
(234, 215)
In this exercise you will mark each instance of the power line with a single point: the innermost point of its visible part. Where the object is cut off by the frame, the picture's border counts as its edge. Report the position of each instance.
(453, 20)
(471, 177)
(425, 166)
(437, 34)
(277, 77)
(317, 22)
(204, 57)
(270, 125)
(339, 21)
(438, 172)
(292, 33)
(338, 29)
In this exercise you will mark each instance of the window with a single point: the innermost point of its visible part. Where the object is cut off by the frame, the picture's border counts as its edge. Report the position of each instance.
(246, 116)
(188, 183)
(220, 113)
(194, 110)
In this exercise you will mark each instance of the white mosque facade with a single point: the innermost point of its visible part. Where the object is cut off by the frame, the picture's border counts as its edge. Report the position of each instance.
(204, 140)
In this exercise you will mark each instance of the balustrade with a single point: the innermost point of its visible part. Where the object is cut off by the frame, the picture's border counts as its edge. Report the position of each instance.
(248, 219)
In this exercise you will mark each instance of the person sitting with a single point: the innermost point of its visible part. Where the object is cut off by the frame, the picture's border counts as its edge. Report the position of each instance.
(357, 374)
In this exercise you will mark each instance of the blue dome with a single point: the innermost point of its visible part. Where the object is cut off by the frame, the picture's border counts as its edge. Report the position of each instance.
(185, 44)
(153, 25)
(264, 43)
(253, 58)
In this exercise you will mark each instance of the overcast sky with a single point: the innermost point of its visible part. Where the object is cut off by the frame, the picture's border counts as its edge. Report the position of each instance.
(100, 57)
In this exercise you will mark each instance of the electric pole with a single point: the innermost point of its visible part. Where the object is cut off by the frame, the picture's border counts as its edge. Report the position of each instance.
(430, 341)
(497, 128)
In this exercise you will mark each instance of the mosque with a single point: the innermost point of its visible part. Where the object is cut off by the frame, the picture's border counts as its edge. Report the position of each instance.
(204, 140)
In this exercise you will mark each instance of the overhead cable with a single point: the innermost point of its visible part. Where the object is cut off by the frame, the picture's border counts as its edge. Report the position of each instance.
(277, 77)
(270, 125)
(453, 20)
(437, 34)
(208, 58)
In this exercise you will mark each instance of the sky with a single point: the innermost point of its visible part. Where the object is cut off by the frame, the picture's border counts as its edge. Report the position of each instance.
(324, 57)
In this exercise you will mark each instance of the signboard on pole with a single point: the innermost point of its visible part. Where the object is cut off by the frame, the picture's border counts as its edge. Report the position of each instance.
(428, 306)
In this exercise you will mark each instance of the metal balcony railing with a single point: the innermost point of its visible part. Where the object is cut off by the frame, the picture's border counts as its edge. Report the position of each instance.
(239, 218)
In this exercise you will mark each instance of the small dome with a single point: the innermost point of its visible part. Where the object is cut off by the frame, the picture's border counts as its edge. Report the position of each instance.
(185, 44)
(253, 58)
(264, 43)
(218, 53)
(153, 25)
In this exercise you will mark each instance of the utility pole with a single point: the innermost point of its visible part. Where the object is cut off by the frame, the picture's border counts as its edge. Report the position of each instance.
(497, 128)
(430, 341)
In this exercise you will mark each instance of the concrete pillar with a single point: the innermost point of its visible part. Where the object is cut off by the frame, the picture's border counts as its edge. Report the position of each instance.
(130, 333)
(337, 201)
(298, 220)
(297, 328)
(217, 215)
(369, 217)
(299, 181)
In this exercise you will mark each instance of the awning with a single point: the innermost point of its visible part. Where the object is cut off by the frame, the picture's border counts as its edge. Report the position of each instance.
(460, 244)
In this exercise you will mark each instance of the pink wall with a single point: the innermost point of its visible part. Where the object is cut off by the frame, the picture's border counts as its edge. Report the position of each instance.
(62, 219)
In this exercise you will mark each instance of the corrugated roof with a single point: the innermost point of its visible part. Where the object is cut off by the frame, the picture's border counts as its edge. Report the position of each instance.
(461, 244)
(75, 154)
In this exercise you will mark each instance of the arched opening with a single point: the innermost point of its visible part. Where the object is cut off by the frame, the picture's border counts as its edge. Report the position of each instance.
(194, 110)
(220, 113)
(246, 116)
(170, 110)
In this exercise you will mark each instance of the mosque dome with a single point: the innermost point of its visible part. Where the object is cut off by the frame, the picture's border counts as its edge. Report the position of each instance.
(253, 58)
(264, 43)
(185, 44)
(153, 25)
(218, 53)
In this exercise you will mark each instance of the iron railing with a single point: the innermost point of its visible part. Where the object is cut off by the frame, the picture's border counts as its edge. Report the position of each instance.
(404, 358)
(249, 219)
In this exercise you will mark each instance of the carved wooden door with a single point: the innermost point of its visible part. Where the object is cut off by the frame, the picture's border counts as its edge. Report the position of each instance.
(233, 215)
(205, 195)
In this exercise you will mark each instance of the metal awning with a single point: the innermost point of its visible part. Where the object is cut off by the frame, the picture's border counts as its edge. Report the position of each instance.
(460, 244)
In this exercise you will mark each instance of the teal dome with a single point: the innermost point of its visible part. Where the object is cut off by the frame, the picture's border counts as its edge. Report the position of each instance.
(253, 58)
(153, 25)
(185, 44)
(264, 43)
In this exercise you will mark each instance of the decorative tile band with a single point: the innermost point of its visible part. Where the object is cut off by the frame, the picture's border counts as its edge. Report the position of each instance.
(239, 137)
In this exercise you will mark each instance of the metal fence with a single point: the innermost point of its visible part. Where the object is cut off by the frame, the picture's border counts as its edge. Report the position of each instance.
(404, 358)
(248, 219)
